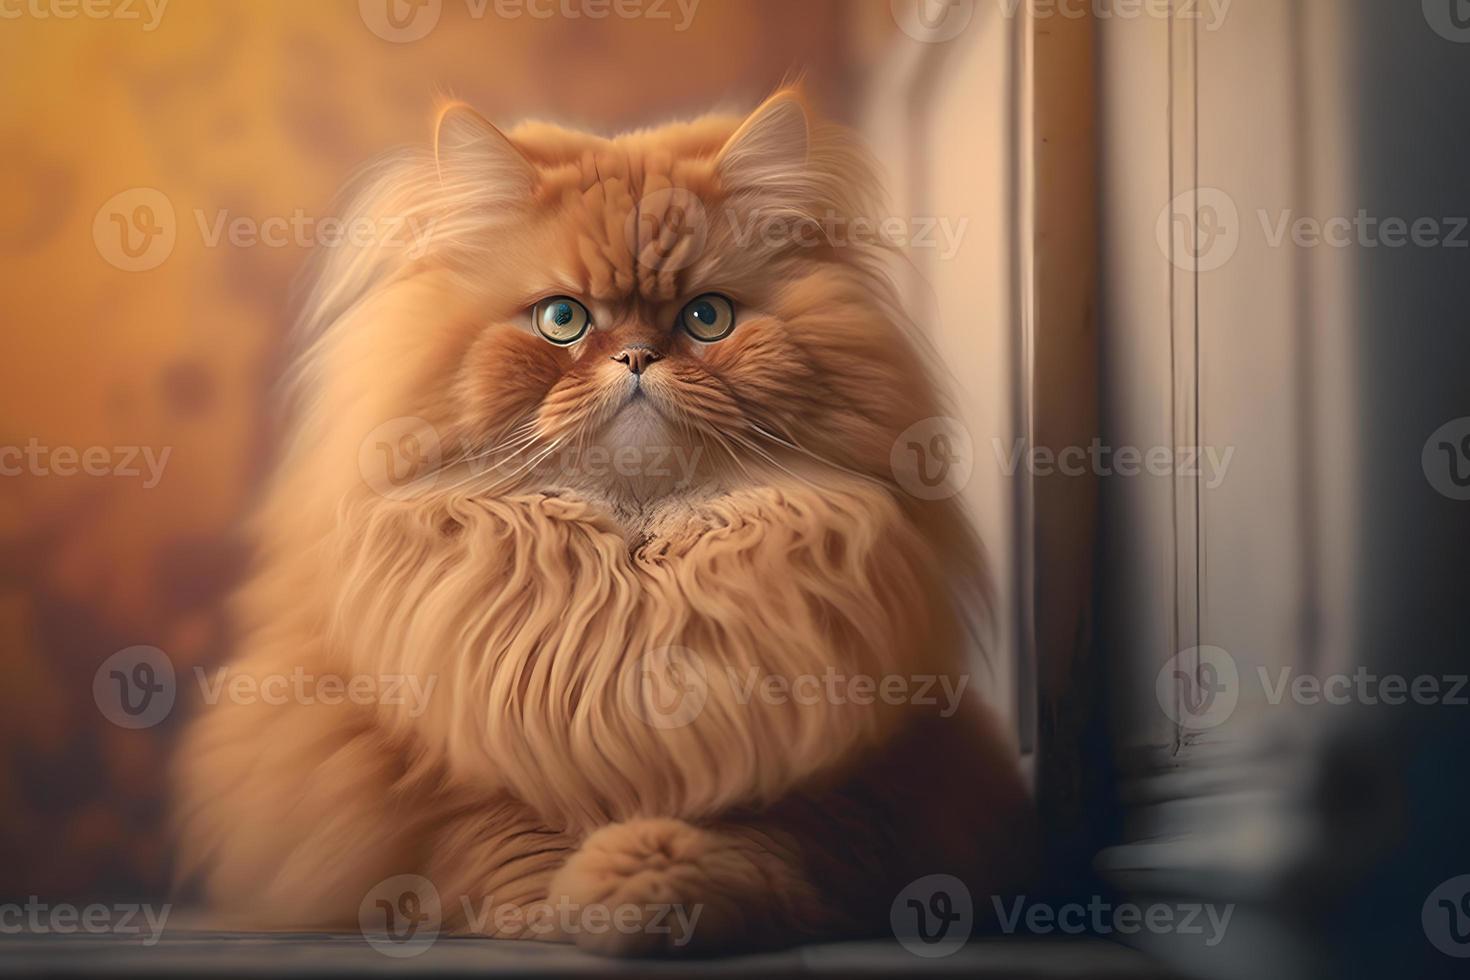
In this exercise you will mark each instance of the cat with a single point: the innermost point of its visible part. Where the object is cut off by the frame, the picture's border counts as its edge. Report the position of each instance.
(653, 683)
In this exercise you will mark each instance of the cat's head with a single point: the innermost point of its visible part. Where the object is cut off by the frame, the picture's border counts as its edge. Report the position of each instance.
(636, 315)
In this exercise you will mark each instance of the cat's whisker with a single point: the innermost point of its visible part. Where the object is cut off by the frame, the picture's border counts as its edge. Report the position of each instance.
(474, 474)
(692, 430)
(753, 447)
(524, 432)
(791, 444)
(530, 465)
(734, 456)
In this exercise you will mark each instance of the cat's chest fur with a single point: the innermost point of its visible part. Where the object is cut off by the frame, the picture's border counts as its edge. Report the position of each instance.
(545, 630)
(649, 529)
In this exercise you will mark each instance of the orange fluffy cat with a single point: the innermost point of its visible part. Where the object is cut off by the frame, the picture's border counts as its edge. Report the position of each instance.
(653, 462)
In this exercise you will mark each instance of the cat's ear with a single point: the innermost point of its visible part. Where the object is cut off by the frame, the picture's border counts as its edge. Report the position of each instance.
(769, 150)
(476, 159)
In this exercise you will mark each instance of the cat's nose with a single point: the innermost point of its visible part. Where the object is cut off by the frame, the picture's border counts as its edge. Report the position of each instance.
(638, 357)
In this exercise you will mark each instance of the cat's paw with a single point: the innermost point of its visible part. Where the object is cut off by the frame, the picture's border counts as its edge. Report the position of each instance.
(658, 887)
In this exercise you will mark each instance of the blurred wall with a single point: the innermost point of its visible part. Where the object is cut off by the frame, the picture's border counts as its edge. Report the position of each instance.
(1333, 368)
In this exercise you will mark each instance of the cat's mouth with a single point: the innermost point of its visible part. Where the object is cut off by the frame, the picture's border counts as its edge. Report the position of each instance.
(640, 399)
(637, 451)
(638, 420)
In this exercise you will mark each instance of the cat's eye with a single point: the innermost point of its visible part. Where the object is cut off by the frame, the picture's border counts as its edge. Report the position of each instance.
(561, 320)
(708, 318)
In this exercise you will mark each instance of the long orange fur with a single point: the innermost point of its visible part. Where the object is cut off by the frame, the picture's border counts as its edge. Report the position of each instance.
(533, 592)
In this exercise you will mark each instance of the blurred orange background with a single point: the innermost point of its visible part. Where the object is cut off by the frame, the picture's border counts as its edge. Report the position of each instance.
(253, 110)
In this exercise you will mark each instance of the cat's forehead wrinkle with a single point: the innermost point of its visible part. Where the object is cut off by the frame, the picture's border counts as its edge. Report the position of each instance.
(633, 211)
(634, 218)
(639, 168)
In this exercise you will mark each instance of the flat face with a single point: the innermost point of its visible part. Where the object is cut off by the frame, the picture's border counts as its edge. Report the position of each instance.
(693, 292)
